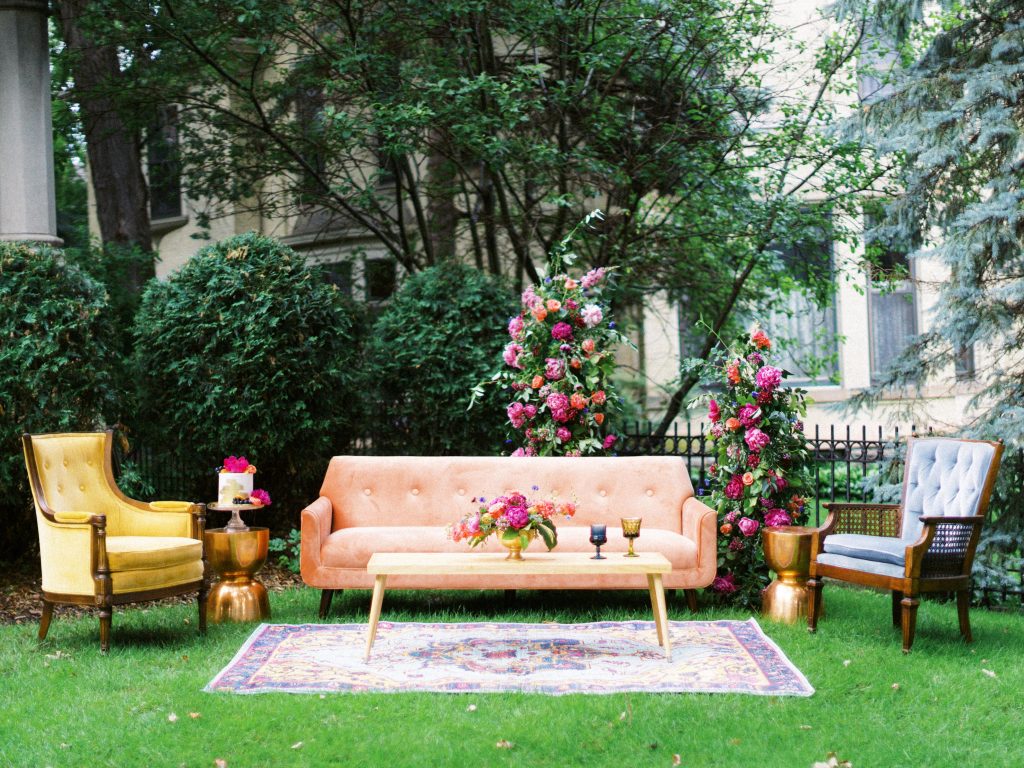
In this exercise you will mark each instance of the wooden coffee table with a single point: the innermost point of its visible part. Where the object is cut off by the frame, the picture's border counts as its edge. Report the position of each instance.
(652, 564)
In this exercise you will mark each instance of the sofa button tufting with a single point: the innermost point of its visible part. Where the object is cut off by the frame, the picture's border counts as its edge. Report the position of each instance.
(366, 491)
(462, 491)
(602, 493)
(415, 491)
(649, 492)
(81, 488)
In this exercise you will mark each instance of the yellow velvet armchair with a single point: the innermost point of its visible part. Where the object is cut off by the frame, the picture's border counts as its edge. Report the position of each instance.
(97, 546)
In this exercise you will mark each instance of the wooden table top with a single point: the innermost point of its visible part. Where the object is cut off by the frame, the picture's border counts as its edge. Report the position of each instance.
(539, 563)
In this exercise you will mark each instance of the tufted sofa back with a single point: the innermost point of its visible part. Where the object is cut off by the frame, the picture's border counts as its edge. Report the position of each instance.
(72, 472)
(943, 477)
(429, 490)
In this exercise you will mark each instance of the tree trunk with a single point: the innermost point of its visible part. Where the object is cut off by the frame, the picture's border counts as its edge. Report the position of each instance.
(114, 149)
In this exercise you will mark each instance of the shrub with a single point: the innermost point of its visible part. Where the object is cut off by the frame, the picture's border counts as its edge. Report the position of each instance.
(435, 340)
(55, 367)
(247, 350)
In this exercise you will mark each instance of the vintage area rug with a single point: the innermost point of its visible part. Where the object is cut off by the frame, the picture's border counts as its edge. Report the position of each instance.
(600, 657)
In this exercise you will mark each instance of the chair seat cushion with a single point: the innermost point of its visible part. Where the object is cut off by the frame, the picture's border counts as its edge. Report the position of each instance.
(133, 553)
(864, 566)
(881, 549)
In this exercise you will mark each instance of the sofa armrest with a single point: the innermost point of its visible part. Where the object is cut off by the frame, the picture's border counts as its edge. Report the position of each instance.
(700, 525)
(317, 519)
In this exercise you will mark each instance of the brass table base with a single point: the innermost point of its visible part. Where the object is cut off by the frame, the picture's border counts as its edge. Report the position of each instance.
(236, 557)
(787, 550)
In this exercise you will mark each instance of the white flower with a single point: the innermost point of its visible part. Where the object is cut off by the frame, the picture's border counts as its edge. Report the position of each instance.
(591, 314)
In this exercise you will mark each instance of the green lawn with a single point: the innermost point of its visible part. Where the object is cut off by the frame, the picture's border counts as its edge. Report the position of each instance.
(64, 704)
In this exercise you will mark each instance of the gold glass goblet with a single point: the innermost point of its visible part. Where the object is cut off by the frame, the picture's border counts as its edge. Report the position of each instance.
(631, 530)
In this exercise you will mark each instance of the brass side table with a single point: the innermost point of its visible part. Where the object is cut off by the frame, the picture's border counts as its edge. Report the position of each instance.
(236, 556)
(787, 550)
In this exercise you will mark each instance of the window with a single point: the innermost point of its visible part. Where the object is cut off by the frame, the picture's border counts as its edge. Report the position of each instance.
(807, 346)
(875, 65)
(339, 274)
(963, 364)
(309, 110)
(892, 309)
(163, 166)
(381, 278)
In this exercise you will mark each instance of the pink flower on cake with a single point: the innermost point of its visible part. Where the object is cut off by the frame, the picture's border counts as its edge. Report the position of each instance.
(260, 498)
(756, 439)
(237, 464)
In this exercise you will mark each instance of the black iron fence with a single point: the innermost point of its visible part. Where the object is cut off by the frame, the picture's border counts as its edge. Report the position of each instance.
(847, 464)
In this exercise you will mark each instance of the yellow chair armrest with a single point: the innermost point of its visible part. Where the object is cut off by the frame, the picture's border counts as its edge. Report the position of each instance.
(72, 517)
(170, 506)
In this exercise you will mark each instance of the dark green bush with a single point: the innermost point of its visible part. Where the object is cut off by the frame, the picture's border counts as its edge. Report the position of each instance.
(248, 351)
(438, 337)
(56, 351)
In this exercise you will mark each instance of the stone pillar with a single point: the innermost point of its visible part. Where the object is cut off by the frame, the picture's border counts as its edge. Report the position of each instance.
(27, 204)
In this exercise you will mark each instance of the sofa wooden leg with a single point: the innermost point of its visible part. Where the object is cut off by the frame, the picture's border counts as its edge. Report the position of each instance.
(326, 595)
(691, 599)
(963, 604)
(106, 614)
(909, 620)
(44, 620)
(897, 596)
(813, 604)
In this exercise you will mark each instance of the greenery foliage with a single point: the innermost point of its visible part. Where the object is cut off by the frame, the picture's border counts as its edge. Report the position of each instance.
(246, 350)
(435, 339)
(760, 475)
(952, 119)
(56, 351)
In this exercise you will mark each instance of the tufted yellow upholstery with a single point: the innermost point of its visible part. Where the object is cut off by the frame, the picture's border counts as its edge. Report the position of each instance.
(95, 543)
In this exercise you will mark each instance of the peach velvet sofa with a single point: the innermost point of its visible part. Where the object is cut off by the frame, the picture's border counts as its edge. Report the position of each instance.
(371, 504)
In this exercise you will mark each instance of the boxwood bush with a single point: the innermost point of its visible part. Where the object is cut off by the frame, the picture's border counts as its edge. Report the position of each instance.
(439, 336)
(56, 361)
(246, 350)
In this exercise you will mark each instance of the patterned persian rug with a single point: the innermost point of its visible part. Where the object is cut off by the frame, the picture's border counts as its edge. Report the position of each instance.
(601, 657)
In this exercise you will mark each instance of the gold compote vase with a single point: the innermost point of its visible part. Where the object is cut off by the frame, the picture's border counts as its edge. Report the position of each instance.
(515, 545)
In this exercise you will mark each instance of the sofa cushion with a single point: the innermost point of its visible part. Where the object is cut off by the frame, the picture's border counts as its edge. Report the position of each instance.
(864, 566)
(881, 549)
(353, 547)
(130, 553)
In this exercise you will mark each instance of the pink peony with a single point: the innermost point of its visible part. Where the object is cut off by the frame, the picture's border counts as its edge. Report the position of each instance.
(593, 277)
(517, 516)
(561, 332)
(768, 378)
(748, 526)
(563, 434)
(734, 488)
(609, 441)
(511, 355)
(776, 517)
(515, 326)
(713, 413)
(749, 415)
(591, 314)
(781, 483)
(554, 369)
(724, 584)
(731, 516)
(236, 464)
(531, 299)
(717, 430)
(516, 414)
(753, 460)
(756, 439)
(528, 451)
(558, 405)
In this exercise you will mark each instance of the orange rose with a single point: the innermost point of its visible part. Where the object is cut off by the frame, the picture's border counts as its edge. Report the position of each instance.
(570, 284)
(539, 313)
(578, 401)
(538, 382)
(733, 373)
(761, 340)
(726, 529)
(553, 305)
(599, 418)
(575, 364)
(588, 345)
(748, 478)
(733, 424)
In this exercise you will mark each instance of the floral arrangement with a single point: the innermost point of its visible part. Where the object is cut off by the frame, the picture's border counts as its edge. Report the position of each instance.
(559, 362)
(510, 517)
(759, 475)
(240, 465)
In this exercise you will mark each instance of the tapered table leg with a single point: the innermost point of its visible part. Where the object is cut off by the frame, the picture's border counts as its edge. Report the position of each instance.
(655, 608)
(375, 604)
(661, 616)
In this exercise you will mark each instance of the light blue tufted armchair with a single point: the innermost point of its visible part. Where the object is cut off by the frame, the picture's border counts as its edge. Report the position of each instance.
(925, 543)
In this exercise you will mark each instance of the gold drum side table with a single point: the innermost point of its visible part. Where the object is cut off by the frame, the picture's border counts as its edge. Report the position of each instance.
(787, 550)
(235, 558)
